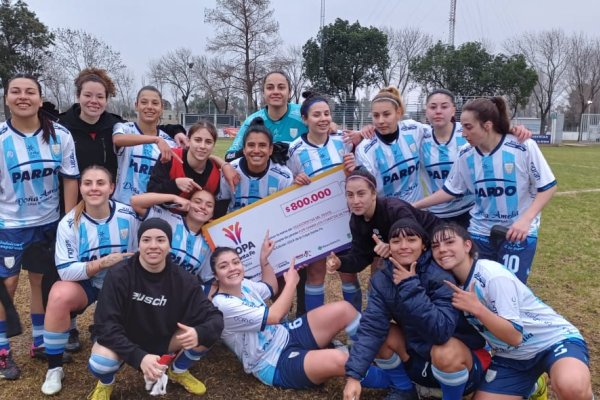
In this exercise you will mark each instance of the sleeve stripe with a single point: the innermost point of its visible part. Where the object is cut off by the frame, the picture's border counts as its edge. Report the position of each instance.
(450, 192)
(65, 265)
(265, 317)
(548, 186)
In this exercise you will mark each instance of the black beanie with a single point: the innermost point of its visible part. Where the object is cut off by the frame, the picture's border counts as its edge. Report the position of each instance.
(155, 223)
(409, 225)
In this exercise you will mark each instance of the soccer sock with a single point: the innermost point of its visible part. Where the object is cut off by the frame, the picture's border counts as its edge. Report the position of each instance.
(185, 359)
(395, 369)
(376, 378)
(103, 368)
(452, 383)
(4, 343)
(55, 343)
(37, 329)
(353, 327)
(352, 294)
(314, 296)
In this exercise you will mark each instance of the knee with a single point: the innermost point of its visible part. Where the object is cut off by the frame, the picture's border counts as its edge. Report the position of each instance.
(572, 387)
(61, 299)
(448, 357)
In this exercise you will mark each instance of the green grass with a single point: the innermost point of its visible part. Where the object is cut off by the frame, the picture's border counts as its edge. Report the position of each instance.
(566, 275)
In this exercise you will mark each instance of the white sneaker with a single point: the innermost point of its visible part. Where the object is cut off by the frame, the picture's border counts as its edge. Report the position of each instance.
(53, 382)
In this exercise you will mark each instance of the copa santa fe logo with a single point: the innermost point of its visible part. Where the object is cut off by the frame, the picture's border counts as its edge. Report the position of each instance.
(234, 233)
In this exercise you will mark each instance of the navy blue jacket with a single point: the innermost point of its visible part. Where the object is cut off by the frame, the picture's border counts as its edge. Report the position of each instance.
(421, 305)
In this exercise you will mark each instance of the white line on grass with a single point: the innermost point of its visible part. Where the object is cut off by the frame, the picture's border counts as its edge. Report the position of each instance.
(577, 191)
(576, 165)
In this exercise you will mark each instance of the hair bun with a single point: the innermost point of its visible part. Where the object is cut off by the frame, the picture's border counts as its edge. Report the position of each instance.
(258, 121)
(307, 93)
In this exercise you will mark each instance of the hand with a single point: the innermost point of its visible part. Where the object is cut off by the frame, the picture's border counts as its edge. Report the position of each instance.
(355, 137)
(291, 276)
(302, 179)
(332, 263)
(182, 140)
(352, 389)
(349, 163)
(401, 273)
(266, 249)
(165, 150)
(465, 301)
(382, 249)
(231, 175)
(521, 133)
(187, 336)
(519, 230)
(187, 185)
(151, 368)
(113, 258)
(368, 131)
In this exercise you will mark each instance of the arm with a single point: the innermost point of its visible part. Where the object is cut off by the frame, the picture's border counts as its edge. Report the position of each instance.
(501, 328)
(203, 316)
(520, 228)
(71, 191)
(282, 305)
(229, 173)
(142, 202)
(440, 196)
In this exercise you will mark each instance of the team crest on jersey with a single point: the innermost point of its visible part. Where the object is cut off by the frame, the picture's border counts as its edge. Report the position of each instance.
(124, 233)
(509, 168)
(9, 262)
(10, 154)
(272, 190)
(55, 149)
(293, 132)
(412, 147)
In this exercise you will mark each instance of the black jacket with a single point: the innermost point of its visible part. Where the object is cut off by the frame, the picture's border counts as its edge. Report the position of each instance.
(138, 311)
(93, 142)
(387, 211)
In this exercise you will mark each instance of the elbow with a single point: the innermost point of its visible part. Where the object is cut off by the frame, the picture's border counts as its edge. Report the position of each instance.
(515, 339)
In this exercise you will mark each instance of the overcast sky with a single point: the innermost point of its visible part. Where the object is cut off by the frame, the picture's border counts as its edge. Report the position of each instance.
(143, 30)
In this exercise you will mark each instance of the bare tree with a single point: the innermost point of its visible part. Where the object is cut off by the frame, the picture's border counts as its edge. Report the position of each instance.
(216, 79)
(176, 69)
(245, 30)
(404, 45)
(292, 63)
(124, 80)
(583, 72)
(547, 52)
(73, 51)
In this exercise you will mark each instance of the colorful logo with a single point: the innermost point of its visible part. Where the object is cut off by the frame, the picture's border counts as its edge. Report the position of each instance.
(234, 232)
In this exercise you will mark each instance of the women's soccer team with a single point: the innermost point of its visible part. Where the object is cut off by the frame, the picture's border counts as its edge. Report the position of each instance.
(103, 211)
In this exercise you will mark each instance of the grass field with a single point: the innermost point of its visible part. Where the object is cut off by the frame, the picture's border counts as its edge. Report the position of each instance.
(566, 275)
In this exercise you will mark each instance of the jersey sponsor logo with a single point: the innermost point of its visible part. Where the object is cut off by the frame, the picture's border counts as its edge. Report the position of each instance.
(515, 145)
(234, 233)
(496, 191)
(408, 127)
(127, 210)
(70, 249)
(403, 173)
(534, 171)
(140, 169)
(438, 174)
(22, 176)
(153, 301)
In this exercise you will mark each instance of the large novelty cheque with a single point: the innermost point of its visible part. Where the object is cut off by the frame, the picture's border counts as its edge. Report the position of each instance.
(306, 222)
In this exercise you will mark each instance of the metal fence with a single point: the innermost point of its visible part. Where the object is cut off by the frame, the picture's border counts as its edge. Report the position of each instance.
(590, 128)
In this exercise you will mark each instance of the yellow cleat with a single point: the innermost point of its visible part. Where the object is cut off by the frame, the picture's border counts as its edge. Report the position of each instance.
(188, 381)
(101, 392)
(541, 389)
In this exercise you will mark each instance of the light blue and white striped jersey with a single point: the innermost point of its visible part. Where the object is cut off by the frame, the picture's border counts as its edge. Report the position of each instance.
(312, 159)
(253, 188)
(246, 333)
(135, 162)
(436, 161)
(285, 129)
(188, 249)
(506, 296)
(505, 182)
(395, 165)
(29, 175)
(76, 244)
